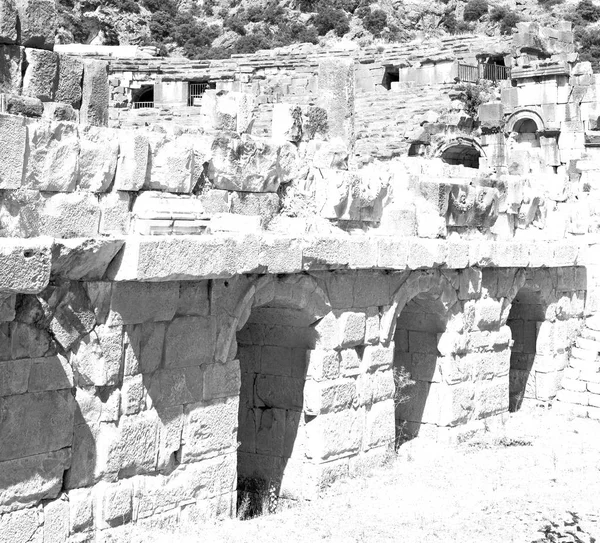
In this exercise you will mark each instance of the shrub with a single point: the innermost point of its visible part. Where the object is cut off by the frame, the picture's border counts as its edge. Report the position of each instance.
(508, 19)
(475, 9)
(587, 11)
(473, 95)
(295, 32)
(375, 22)
(328, 18)
(589, 47)
(250, 43)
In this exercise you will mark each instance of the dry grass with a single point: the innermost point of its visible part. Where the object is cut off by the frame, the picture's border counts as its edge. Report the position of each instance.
(500, 485)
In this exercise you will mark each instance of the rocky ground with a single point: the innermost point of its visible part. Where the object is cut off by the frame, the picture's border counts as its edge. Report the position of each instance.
(504, 484)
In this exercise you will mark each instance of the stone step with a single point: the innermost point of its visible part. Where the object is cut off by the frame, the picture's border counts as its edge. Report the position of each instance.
(588, 344)
(584, 365)
(588, 333)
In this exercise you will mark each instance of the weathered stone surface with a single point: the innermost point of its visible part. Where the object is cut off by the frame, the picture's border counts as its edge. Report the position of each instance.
(25, 265)
(69, 215)
(51, 373)
(190, 341)
(22, 525)
(52, 163)
(13, 142)
(22, 105)
(39, 80)
(116, 504)
(70, 79)
(38, 22)
(81, 510)
(26, 481)
(98, 154)
(116, 217)
(97, 358)
(83, 259)
(11, 77)
(8, 22)
(336, 96)
(133, 302)
(95, 93)
(132, 167)
(37, 423)
(57, 111)
(244, 164)
(173, 168)
(56, 520)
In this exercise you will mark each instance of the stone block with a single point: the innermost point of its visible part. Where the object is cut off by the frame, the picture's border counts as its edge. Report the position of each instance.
(95, 93)
(324, 364)
(97, 358)
(351, 327)
(134, 303)
(38, 423)
(377, 357)
(70, 77)
(172, 165)
(380, 429)
(51, 373)
(11, 76)
(336, 96)
(270, 431)
(24, 106)
(266, 206)
(221, 380)
(8, 22)
(24, 525)
(209, 429)
(143, 347)
(38, 22)
(39, 80)
(176, 387)
(190, 341)
(13, 142)
(14, 376)
(278, 391)
(52, 163)
(116, 217)
(56, 111)
(334, 435)
(79, 259)
(26, 481)
(281, 255)
(56, 520)
(81, 510)
(133, 163)
(329, 396)
(98, 154)
(115, 504)
(492, 398)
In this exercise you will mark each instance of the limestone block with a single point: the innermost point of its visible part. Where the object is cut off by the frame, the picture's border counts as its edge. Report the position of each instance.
(176, 387)
(52, 163)
(133, 302)
(270, 431)
(37, 423)
(22, 105)
(95, 93)
(173, 166)
(380, 429)
(487, 313)
(190, 341)
(323, 364)
(51, 373)
(351, 326)
(115, 504)
(14, 377)
(134, 450)
(219, 110)
(492, 398)
(56, 520)
(209, 428)
(334, 434)
(392, 253)
(81, 510)
(280, 254)
(11, 76)
(133, 163)
(329, 396)
(375, 387)
(8, 22)
(287, 123)
(13, 141)
(193, 298)
(39, 80)
(70, 77)
(143, 347)
(56, 111)
(25, 265)
(26, 481)
(22, 525)
(98, 154)
(278, 391)
(244, 164)
(83, 259)
(97, 358)
(38, 22)
(377, 357)
(221, 380)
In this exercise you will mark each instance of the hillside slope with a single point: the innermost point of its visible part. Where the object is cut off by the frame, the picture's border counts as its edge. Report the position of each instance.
(219, 28)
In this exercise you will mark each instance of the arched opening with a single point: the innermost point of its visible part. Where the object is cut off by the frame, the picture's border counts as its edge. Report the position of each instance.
(526, 153)
(524, 319)
(462, 155)
(416, 354)
(525, 126)
(272, 349)
(143, 97)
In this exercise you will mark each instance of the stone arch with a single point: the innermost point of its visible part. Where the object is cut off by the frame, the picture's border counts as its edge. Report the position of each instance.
(275, 332)
(518, 118)
(461, 151)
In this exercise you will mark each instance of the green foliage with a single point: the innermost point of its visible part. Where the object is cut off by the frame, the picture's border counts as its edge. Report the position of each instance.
(582, 15)
(454, 26)
(589, 47)
(507, 18)
(475, 9)
(330, 18)
(587, 12)
(473, 95)
(375, 22)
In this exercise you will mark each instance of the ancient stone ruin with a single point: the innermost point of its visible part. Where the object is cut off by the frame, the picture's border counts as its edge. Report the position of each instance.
(217, 273)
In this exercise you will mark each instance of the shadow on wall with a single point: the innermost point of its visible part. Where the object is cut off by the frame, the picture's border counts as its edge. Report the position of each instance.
(272, 348)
